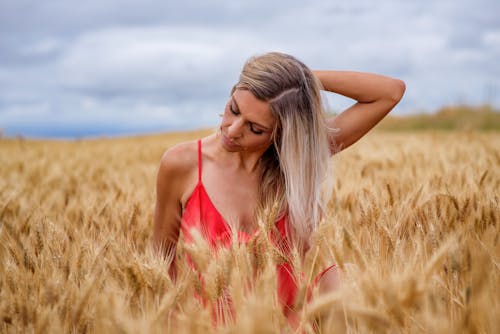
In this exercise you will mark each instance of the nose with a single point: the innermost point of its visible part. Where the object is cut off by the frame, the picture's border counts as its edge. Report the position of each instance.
(234, 130)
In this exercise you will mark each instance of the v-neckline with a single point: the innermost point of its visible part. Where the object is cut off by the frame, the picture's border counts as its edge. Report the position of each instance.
(224, 221)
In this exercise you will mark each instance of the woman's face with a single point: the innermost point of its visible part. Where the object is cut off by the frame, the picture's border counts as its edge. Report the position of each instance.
(247, 123)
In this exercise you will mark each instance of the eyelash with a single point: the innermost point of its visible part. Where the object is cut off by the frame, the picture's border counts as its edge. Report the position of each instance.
(236, 113)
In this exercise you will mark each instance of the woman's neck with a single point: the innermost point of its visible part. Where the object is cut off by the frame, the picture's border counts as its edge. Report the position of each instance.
(239, 161)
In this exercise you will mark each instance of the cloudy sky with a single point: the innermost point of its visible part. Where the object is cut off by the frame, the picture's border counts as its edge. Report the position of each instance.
(107, 67)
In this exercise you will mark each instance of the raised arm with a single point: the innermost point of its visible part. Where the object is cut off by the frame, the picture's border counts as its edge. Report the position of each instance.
(375, 94)
(168, 207)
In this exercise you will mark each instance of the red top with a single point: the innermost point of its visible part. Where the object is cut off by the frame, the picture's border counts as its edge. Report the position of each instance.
(200, 213)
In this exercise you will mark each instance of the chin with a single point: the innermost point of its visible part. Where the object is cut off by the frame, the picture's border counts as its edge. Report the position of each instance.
(228, 145)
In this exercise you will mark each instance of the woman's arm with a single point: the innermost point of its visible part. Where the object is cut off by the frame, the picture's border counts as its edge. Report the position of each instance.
(375, 94)
(168, 207)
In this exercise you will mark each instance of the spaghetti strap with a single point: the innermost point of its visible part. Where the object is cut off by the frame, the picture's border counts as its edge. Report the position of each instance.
(199, 160)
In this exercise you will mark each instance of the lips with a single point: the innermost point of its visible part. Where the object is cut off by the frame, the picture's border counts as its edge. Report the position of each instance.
(228, 141)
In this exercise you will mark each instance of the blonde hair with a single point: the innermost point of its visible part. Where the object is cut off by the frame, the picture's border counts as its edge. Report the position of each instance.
(296, 177)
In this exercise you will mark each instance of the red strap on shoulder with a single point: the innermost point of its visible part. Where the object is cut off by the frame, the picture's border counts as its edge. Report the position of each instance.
(199, 160)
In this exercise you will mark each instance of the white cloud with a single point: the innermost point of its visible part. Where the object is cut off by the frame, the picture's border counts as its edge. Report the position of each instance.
(172, 64)
(43, 47)
(492, 39)
(159, 59)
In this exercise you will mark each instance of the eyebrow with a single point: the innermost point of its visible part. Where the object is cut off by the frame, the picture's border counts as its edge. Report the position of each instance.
(238, 109)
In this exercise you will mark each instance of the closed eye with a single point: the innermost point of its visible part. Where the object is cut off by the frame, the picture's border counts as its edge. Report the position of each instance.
(256, 131)
(232, 110)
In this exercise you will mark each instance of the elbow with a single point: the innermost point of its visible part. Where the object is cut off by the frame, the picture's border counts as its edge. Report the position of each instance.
(398, 90)
(394, 94)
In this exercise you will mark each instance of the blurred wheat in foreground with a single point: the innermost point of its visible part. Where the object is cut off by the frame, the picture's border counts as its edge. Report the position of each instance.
(414, 225)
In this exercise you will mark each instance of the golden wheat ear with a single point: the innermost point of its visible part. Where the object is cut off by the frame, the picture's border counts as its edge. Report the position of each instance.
(414, 226)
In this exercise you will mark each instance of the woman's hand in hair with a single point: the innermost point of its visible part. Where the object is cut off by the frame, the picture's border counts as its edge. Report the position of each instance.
(375, 94)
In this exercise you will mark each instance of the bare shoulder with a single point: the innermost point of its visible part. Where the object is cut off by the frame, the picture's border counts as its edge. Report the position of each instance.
(177, 172)
(180, 159)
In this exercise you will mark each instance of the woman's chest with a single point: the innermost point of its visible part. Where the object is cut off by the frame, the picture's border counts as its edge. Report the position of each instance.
(235, 200)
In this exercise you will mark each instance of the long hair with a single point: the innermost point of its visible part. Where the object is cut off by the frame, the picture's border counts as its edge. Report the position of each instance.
(296, 177)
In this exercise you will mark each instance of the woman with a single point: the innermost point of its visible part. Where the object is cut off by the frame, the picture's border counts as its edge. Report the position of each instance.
(272, 151)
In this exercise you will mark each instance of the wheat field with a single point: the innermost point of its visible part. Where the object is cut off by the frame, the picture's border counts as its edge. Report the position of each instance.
(413, 225)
